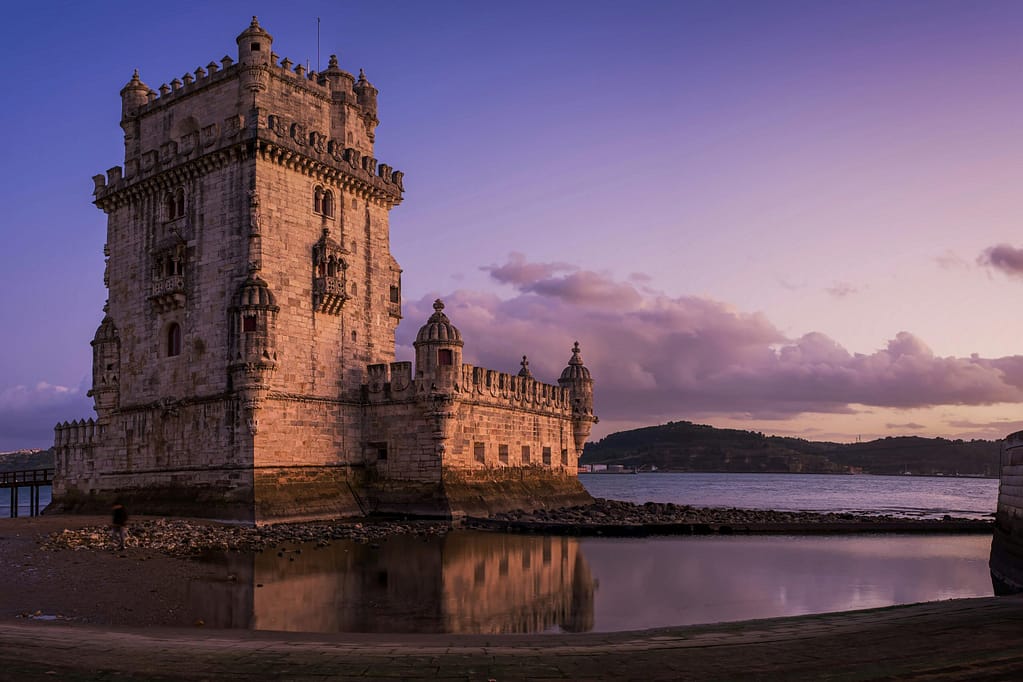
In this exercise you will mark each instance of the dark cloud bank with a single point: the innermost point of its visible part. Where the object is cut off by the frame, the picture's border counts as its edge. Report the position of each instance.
(656, 357)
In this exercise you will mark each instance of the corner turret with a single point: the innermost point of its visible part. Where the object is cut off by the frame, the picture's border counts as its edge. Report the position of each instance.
(254, 45)
(438, 351)
(367, 97)
(133, 96)
(106, 365)
(342, 83)
(253, 347)
(576, 378)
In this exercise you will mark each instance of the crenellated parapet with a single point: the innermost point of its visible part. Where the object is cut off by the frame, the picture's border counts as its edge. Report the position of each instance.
(499, 388)
(73, 445)
(317, 140)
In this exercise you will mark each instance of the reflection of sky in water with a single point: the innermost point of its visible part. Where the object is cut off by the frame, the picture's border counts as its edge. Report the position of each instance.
(677, 581)
(474, 582)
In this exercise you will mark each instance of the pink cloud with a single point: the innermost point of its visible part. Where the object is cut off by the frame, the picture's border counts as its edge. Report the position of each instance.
(656, 357)
(579, 287)
(907, 426)
(1004, 258)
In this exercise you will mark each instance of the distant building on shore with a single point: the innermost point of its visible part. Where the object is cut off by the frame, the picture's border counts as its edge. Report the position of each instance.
(245, 364)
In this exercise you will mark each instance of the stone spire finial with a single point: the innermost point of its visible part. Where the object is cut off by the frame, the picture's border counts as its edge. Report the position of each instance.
(576, 358)
(362, 76)
(438, 305)
(524, 372)
(332, 62)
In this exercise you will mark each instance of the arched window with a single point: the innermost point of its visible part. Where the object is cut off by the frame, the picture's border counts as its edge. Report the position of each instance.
(328, 204)
(173, 339)
(318, 200)
(179, 203)
(169, 207)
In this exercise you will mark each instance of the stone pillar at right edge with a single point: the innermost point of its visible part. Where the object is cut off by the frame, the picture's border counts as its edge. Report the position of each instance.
(576, 378)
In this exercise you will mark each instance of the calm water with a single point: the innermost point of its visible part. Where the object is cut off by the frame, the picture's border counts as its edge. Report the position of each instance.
(910, 496)
(489, 583)
(470, 582)
(23, 501)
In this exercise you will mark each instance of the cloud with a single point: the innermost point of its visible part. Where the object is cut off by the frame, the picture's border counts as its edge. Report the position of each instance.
(29, 413)
(949, 260)
(908, 426)
(1005, 258)
(656, 357)
(841, 289)
(578, 287)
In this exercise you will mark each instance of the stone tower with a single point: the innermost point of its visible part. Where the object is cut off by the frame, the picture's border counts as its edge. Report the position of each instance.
(253, 301)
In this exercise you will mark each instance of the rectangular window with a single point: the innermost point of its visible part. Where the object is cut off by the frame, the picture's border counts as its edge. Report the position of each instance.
(445, 357)
(547, 551)
(249, 323)
(395, 295)
(525, 454)
(502, 453)
(547, 457)
(479, 451)
(379, 450)
(564, 458)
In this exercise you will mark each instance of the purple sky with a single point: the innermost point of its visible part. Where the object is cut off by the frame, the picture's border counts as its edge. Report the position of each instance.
(794, 217)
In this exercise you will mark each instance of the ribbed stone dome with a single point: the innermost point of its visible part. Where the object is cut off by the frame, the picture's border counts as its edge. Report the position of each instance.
(256, 293)
(438, 329)
(107, 330)
(576, 369)
(253, 31)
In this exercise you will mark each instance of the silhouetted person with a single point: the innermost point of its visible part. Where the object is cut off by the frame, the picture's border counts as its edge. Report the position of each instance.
(118, 524)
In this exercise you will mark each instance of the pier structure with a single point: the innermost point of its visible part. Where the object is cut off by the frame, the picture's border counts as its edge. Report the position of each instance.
(33, 480)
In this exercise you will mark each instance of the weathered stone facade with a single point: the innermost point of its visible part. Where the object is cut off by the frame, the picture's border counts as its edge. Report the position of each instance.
(245, 366)
(1007, 542)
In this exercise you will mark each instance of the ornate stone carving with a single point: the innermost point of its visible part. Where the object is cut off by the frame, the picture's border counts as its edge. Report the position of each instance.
(277, 125)
(329, 275)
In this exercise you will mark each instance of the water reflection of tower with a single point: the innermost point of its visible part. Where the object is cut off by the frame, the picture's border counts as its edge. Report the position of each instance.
(464, 582)
(495, 583)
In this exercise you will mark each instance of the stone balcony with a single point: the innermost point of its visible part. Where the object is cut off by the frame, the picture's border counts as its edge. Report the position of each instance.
(329, 295)
(168, 293)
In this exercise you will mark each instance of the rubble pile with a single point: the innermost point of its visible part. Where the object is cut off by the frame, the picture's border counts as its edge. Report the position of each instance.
(626, 518)
(186, 538)
(615, 512)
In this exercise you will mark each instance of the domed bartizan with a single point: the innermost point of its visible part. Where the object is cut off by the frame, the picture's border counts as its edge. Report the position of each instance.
(438, 350)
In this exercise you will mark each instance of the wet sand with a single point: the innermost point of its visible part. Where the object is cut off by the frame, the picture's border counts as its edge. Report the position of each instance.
(100, 630)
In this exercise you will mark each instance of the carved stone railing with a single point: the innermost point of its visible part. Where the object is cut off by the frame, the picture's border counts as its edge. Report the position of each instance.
(329, 295)
(168, 293)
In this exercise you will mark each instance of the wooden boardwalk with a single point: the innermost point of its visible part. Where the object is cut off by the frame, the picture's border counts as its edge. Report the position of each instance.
(33, 479)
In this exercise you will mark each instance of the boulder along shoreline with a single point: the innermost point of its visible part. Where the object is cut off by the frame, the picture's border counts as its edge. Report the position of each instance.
(192, 537)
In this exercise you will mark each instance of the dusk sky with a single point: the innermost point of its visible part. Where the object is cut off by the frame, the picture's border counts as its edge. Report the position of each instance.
(802, 218)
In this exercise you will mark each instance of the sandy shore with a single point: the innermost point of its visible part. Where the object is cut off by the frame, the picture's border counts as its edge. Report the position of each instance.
(98, 613)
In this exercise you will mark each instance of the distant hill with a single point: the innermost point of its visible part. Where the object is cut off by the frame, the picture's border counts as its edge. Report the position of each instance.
(22, 460)
(684, 446)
